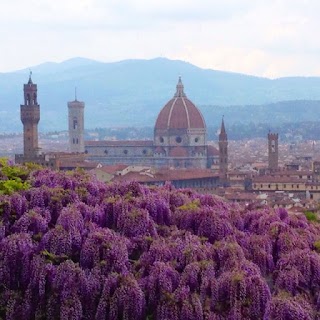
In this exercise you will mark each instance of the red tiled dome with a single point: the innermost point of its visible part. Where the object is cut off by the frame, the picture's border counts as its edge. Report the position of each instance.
(180, 113)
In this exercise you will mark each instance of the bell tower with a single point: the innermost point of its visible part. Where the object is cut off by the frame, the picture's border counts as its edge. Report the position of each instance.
(223, 151)
(76, 125)
(273, 151)
(30, 116)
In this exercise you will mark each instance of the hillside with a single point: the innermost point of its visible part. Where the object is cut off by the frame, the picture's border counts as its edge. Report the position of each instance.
(132, 92)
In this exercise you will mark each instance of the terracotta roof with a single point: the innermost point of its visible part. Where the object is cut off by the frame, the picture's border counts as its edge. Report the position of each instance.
(313, 183)
(241, 196)
(213, 151)
(267, 179)
(113, 168)
(168, 175)
(178, 152)
(292, 173)
(119, 143)
(180, 113)
(74, 164)
(199, 149)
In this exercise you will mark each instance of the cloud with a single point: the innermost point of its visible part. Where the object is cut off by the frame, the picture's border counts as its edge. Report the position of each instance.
(267, 38)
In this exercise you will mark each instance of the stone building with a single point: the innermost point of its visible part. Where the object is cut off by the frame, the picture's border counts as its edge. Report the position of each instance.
(30, 117)
(180, 140)
(273, 151)
(76, 125)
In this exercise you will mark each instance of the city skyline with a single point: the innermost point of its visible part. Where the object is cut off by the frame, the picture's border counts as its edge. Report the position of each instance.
(264, 38)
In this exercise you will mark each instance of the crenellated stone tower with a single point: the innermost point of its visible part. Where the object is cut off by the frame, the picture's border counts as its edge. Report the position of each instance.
(76, 125)
(273, 152)
(223, 151)
(30, 116)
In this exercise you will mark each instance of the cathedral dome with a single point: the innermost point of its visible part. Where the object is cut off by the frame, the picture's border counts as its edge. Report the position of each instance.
(180, 113)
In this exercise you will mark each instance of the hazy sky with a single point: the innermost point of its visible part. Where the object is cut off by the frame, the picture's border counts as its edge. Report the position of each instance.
(269, 38)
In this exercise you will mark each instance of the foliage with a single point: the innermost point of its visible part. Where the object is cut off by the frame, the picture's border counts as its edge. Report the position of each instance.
(74, 248)
(311, 216)
(13, 178)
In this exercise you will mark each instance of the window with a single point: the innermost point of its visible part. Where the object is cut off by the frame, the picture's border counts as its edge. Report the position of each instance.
(178, 139)
(125, 151)
(75, 123)
(161, 139)
(196, 139)
(28, 99)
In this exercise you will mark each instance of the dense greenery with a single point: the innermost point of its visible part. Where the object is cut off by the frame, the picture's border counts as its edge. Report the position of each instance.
(14, 178)
(74, 248)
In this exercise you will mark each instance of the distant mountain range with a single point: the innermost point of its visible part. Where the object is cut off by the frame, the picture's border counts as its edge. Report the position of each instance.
(132, 92)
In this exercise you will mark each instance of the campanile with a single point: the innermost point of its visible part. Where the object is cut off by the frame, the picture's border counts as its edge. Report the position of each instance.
(30, 116)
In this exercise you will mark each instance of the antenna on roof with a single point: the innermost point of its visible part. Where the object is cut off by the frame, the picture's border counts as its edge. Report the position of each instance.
(75, 93)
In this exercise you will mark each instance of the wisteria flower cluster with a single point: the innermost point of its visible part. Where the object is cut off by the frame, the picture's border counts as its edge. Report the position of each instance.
(74, 248)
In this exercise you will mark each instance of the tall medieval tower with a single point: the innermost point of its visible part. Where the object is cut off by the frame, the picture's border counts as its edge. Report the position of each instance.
(76, 125)
(30, 116)
(223, 151)
(273, 152)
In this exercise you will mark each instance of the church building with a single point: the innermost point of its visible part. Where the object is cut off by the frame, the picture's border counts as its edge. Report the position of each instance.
(180, 140)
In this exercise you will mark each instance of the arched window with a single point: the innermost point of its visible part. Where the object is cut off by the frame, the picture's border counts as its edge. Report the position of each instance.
(75, 123)
(28, 99)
